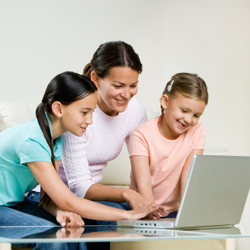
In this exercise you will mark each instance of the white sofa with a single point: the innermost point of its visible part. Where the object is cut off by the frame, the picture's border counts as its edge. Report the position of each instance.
(116, 173)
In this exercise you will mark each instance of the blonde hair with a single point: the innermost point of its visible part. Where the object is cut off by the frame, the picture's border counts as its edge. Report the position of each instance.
(189, 85)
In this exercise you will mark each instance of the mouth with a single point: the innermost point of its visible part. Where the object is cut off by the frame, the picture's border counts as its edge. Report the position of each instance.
(182, 124)
(83, 129)
(121, 102)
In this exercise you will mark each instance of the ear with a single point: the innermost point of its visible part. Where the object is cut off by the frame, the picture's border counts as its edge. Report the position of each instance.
(57, 109)
(164, 101)
(94, 78)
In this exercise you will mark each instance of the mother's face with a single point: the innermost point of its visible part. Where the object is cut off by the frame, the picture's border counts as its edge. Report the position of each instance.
(116, 89)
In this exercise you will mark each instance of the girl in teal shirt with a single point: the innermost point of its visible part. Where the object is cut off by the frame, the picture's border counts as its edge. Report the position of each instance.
(30, 153)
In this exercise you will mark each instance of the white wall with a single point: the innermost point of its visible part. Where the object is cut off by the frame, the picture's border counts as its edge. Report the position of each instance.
(40, 39)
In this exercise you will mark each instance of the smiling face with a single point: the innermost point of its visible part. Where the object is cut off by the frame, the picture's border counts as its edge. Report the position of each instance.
(78, 115)
(181, 113)
(116, 89)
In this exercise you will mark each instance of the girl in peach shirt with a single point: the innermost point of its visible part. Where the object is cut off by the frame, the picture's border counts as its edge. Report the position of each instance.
(161, 150)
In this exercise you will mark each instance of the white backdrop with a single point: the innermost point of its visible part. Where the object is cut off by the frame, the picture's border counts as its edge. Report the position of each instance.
(40, 39)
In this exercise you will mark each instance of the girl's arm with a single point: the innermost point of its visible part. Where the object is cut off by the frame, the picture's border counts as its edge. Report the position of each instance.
(142, 176)
(64, 218)
(187, 166)
(48, 178)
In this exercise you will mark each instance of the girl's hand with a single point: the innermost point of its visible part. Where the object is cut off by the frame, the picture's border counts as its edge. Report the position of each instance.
(141, 212)
(152, 216)
(135, 200)
(68, 219)
(162, 211)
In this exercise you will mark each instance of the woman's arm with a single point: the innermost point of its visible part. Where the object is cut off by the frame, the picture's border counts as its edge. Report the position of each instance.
(187, 166)
(75, 164)
(102, 192)
(48, 178)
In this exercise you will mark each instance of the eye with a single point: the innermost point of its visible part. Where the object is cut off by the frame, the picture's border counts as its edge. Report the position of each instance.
(197, 116)
(117, 86)
(84, 113)
(184, 110)
(133, 86)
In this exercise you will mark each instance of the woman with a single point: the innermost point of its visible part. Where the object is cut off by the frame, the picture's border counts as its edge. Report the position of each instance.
(114, 69)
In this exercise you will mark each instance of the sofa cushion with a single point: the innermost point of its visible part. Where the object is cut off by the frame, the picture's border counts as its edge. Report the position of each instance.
(12, 113)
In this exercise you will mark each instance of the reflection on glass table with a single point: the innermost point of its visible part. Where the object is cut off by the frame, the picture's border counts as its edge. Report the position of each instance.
(109, 233)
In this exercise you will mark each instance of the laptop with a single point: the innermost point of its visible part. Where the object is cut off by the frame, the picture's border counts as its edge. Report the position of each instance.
(214, 196)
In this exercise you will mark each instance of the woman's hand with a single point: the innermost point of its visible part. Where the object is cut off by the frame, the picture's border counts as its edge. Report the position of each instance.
(68, 219)
(135, 200)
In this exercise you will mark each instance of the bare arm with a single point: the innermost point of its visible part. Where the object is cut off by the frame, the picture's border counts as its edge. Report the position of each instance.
(102, 192)
(48, 178)
(142, 176)
(63, 217)
(187, 166)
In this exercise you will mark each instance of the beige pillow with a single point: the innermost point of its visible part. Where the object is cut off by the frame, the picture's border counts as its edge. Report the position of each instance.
(12, 113)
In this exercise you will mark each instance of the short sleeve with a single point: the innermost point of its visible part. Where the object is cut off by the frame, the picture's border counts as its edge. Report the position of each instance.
(138, 144)
(58, 148)
(200, 138)
(31, 150)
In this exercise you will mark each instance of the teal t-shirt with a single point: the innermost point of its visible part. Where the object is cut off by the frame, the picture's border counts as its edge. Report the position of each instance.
(18, 145)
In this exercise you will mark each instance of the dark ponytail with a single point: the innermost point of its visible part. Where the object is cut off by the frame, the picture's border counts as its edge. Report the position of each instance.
(113, 54)
(66, 88)
(43, 122)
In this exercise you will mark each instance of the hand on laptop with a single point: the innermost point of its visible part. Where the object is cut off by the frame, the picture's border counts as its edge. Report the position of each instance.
(160, 212)
(135, 200)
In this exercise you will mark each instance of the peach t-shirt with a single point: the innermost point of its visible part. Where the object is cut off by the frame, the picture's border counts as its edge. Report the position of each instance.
(166, 158)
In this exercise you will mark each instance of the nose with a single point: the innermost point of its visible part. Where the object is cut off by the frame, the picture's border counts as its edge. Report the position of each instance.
(126, 93)
(188, 118)
(89, 119)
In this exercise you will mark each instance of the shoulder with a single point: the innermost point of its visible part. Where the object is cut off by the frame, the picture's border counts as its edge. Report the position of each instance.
(135, 112)
(197, 131)
(147, 127)
(21, 132)
(135, 103)
(199, 128)
(135, 107)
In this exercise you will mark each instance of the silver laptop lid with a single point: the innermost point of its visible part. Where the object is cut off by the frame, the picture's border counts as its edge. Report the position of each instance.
(215, 192)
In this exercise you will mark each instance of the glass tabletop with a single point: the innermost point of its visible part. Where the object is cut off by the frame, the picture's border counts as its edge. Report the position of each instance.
(110, 233)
